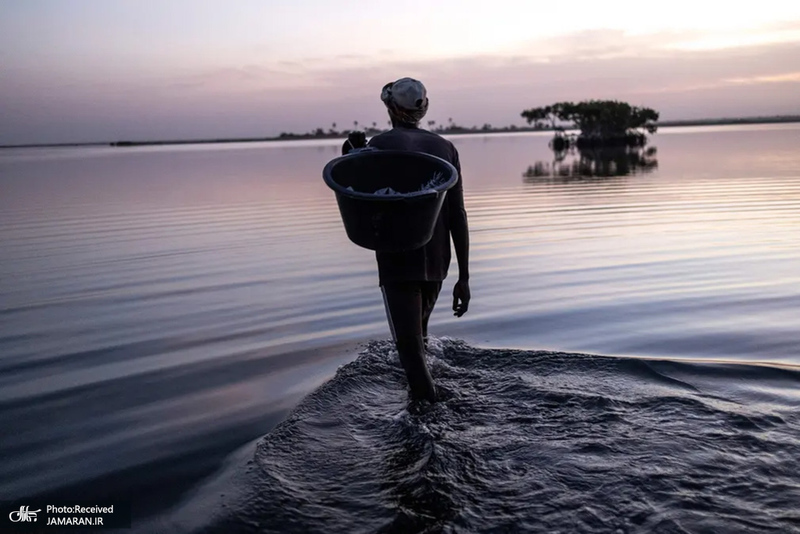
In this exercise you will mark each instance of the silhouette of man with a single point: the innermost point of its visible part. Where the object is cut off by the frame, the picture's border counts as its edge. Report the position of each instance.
(411, 281)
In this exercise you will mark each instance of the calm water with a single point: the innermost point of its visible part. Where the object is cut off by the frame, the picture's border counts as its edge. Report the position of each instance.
(161, 307)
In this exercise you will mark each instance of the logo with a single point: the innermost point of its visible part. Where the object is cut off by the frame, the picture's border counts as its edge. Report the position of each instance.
(23, 514)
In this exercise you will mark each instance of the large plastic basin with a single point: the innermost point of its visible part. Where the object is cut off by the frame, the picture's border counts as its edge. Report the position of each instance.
(389, 223)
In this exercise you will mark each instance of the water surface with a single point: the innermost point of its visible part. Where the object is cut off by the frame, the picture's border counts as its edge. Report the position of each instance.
(161, 306)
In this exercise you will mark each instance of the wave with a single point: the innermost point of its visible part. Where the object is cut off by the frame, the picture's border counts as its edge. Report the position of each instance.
(523, 441)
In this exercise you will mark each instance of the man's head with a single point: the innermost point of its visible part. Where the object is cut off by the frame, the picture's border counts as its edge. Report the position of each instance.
(406, 100)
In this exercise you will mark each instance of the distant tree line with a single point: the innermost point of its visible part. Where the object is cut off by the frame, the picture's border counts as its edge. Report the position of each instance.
(451, 127)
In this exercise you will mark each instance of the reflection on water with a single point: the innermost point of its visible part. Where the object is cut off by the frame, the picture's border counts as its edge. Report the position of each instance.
(578, 163)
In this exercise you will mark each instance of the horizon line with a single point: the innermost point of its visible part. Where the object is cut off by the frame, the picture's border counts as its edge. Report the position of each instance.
(286, 136)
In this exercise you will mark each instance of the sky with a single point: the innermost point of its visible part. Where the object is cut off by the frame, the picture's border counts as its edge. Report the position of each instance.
(105, 70)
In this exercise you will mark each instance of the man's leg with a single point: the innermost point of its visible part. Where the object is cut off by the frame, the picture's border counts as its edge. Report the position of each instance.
(430, 292)
(404, 311)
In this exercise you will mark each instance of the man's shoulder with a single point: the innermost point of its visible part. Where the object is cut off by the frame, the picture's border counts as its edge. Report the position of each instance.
(439, 138)
(434, 135)
(417, 134)
(383, 136)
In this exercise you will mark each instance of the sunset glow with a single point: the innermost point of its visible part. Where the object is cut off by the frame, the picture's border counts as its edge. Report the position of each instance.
(84, 71)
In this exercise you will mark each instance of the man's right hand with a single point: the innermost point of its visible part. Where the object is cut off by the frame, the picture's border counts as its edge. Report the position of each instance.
(357, 139)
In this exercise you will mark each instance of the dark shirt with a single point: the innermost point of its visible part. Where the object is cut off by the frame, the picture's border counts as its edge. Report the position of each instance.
(431, 262)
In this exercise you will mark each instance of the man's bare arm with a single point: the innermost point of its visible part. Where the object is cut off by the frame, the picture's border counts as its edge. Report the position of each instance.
(459, 230)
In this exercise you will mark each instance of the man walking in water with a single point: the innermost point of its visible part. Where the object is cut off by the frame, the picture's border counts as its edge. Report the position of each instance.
(411, 281)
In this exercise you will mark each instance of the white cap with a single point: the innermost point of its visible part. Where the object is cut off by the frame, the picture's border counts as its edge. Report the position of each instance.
(407, 93)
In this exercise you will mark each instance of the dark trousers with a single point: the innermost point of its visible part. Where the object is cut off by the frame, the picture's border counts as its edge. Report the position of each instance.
(408, 308)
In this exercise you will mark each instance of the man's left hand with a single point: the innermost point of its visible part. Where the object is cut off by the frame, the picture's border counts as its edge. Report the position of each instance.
(461, 298)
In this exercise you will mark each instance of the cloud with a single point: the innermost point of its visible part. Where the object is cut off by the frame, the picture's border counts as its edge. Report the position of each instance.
(733, 38)
(777, 78)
